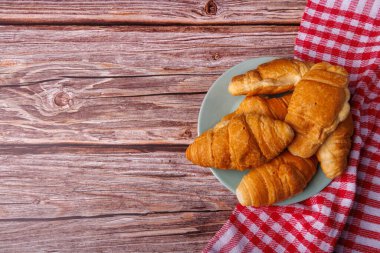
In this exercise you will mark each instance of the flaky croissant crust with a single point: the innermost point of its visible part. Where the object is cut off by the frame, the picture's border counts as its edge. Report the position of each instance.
(272, 77)
(281, 178)
(334, 152)
(244, 142)
(318, 104)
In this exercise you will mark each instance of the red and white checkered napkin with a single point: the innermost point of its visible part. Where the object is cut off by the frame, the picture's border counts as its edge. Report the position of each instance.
(346, 33)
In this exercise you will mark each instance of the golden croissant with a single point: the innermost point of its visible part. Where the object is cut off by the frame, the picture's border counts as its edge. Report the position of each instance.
(272, 77)
(333, 153)
(281, 178)
(318, 104)
(246, 141)
(275, 108)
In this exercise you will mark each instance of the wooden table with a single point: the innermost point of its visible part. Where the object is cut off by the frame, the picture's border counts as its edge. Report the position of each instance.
(99, 100)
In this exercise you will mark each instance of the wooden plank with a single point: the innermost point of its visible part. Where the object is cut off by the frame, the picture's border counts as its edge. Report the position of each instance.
(151, 12)
(49, 114)
(59, 182)
(107, 198)
(30, 54)
(118, 85)
(174, 232)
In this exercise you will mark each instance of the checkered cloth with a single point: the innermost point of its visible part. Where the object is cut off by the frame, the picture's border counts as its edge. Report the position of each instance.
(346, 33)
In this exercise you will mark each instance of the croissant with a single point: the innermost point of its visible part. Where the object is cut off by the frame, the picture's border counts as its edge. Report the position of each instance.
(246, 141)
(276, 108)
(318, 104)
(272, 77)
(333, 153)
(277, 180)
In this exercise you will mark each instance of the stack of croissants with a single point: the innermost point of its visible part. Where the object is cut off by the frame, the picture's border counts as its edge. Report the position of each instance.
(281, 139)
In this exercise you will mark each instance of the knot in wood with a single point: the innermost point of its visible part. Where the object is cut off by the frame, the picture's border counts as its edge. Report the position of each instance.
(211, 8)
(187, 134)
(62, 99)
(215, 56)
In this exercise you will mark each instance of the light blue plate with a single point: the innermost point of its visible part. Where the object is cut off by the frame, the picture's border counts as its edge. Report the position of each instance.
(217, 103)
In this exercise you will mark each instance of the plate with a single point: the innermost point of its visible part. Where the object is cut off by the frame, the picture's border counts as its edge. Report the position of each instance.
(217, 103)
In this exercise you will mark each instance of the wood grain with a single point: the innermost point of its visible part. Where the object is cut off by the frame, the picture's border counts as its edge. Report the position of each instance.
(35, 114)
(95, 120)
(151, 12)
(118, 85)
(166, 232)
(94, 181)
(30, 54)
(107, 199)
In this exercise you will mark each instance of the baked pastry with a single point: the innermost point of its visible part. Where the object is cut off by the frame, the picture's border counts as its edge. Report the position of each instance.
(281, 178)
(318, 104)
(276, 108)
(333, 153)
(246, 141)
(273, 77)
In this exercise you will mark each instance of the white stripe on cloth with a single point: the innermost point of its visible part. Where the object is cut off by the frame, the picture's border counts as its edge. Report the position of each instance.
(226, 237)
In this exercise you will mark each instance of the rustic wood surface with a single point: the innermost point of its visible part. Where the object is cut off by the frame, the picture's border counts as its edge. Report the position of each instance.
(152, 12)
(107, 199)
(97, 105)
(121, 84)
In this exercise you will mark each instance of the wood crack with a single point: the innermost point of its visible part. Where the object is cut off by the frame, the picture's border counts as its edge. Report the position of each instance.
(138, 76)
(100, 216)
(166, 24)
(46, 148)
(151, 95)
